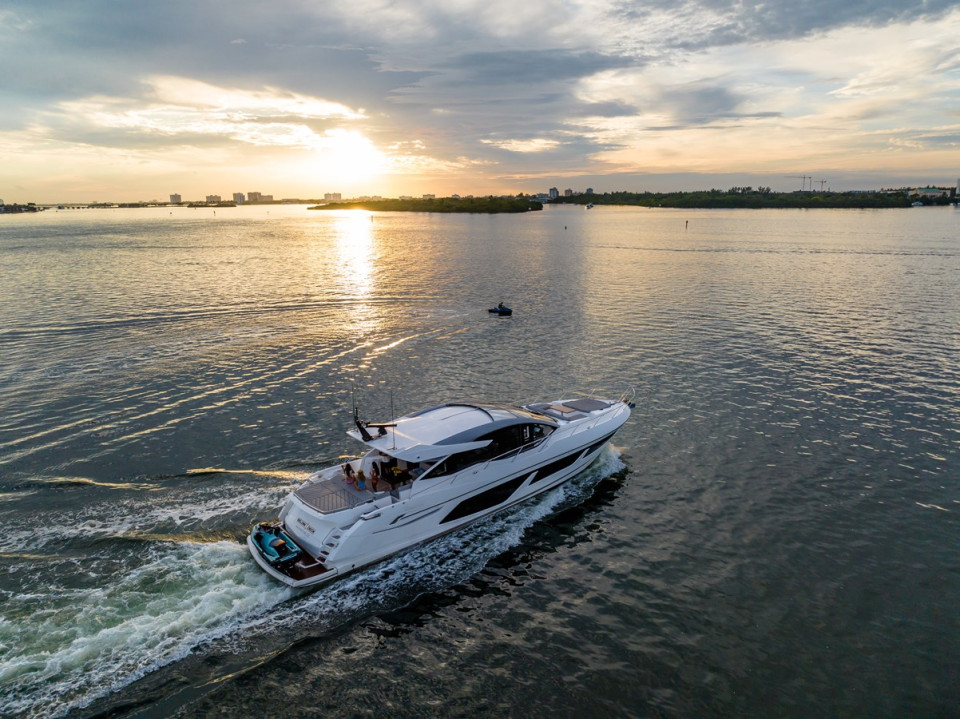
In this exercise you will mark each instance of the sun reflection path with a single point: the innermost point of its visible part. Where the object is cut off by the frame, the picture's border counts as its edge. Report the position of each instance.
(355, 251)
(355, 260)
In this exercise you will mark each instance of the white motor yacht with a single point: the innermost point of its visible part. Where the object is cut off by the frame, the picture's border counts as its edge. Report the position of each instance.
(426, 474)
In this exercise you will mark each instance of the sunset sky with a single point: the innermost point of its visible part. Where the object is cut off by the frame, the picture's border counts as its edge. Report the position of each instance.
(107, 100)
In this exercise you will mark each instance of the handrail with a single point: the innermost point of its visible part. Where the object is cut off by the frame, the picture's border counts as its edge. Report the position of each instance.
(516, 451)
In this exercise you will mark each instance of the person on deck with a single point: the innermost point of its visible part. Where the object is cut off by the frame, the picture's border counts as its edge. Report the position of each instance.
(401, 475)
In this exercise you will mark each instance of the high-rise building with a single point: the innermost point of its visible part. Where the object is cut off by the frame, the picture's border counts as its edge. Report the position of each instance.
(213, 199)
(253, 197)
(238, 197)
(331, 197)
(175, 199)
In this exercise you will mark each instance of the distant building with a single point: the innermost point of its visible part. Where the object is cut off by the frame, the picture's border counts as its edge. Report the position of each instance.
(213, 199)
(406, 197)
(266, 198)
(554, 193)
(238, 197)
(253, 197)
(331, 197)
(589, 190)
(568, 192)
(929, 192)
(174, 199)
(429, 197)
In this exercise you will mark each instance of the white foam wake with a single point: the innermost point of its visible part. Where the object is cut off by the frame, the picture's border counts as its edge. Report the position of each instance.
(125, 516)
(62, 649)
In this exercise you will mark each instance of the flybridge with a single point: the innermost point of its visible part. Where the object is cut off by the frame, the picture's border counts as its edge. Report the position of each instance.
(445, 429)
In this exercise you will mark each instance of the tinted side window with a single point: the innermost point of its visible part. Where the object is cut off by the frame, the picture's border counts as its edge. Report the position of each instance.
(456, 462)
(502, 442)
(484, 500)
(532, 434)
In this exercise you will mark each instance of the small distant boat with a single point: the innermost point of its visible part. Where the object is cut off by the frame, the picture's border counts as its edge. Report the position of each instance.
(501, 310)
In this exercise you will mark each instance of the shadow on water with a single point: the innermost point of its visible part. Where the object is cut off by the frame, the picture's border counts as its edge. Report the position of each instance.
(566, 527)
(385, 601)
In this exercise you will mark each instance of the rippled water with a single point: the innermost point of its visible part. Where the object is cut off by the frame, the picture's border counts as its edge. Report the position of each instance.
(774, 532)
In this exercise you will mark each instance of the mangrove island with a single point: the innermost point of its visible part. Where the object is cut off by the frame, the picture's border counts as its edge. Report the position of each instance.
(760, 197)
(439, 204)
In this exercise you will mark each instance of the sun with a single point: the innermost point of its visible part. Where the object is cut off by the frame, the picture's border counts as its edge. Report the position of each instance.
(347, 157)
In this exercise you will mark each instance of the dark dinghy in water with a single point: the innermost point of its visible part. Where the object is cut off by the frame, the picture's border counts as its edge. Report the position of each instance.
(502, 311)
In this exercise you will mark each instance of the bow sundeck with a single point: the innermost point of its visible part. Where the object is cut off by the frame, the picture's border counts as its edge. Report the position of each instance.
(427, 474)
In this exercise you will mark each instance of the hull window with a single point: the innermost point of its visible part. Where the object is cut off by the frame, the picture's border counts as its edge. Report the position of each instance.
(485, 500)
(597, 445)
(555, 467)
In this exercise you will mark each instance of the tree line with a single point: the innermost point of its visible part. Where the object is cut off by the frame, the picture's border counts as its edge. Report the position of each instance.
(440, 204)
(750, 197)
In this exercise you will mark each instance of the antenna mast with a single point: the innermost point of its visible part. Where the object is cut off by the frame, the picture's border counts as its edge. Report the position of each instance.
(364, 434)
(393, 416)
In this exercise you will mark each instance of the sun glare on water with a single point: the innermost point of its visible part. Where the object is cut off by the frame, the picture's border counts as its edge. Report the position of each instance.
(354, 249)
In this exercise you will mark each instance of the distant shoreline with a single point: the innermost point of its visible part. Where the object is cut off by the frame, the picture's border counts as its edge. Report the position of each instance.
(734, 198)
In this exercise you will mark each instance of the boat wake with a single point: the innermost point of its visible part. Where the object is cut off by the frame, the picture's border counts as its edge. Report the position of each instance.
(64, 647)
(96, 624)
(188, 511)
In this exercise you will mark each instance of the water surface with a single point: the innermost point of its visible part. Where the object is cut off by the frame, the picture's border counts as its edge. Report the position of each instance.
(773, 533)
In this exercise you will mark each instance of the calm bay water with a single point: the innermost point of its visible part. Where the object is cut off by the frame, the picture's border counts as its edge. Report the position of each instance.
(774, 533)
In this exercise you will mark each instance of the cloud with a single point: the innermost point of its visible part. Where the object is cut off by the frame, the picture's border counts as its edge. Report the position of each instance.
(183, 110)
(534, 144)
(266, 102)
(511, 67)
(702, 24)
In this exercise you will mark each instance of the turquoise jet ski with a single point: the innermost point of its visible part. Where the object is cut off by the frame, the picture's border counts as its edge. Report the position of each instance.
(275, 545)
